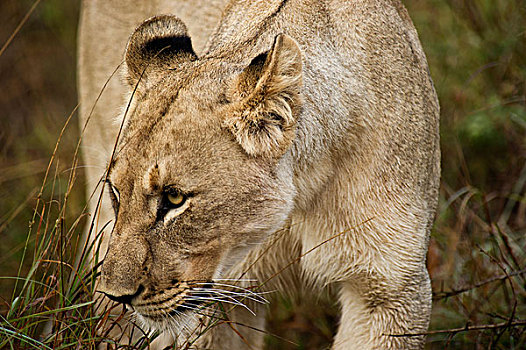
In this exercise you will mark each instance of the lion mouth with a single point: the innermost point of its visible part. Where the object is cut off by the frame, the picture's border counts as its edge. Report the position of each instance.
(197, 297)
(177, 300)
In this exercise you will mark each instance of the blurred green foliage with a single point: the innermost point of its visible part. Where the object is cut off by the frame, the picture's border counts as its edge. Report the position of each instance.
(476, 54)
(37, 74)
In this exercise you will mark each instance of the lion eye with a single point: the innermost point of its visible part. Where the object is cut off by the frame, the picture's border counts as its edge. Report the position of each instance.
(173, 203)
(116, 193)
(176, 200)
(115, 197)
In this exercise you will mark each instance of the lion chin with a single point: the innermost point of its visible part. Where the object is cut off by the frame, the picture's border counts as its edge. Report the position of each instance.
(182, 327)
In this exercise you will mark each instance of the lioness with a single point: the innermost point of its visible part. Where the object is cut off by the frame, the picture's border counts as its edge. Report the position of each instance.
(307, 128)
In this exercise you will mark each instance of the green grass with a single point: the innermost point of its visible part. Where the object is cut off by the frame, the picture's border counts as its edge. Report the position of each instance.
(476, 51)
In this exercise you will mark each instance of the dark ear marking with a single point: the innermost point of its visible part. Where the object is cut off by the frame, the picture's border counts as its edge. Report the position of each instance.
(168, 46)
(251, 74)
(158, 44)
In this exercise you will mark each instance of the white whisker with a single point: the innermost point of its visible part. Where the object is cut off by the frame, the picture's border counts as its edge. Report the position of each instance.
(252, 296)
(224, 297)
(221, 300)
(234, 279)
(230, 286)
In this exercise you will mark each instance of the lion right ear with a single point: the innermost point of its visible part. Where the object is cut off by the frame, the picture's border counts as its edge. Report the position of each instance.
(263, 121)
(159, 43)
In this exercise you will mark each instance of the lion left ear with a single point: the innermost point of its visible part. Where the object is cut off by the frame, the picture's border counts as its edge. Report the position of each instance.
(157, 45)
(264, 121)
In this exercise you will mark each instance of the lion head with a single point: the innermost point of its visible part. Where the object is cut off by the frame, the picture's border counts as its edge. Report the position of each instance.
(202, 170)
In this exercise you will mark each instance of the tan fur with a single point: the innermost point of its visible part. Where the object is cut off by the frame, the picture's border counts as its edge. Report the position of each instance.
(302, 122)
(104, 29)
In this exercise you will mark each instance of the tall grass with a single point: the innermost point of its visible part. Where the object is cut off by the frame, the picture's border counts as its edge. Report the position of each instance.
(477, 256)
(478, 249)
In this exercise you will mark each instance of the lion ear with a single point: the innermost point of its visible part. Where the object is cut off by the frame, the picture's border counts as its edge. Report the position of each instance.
(159, 43)
(269, 88)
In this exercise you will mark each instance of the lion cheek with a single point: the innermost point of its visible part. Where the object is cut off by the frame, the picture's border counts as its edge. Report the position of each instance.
(204, 264)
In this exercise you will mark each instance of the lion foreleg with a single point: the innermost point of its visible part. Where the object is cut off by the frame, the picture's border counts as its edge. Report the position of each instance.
(386, 319)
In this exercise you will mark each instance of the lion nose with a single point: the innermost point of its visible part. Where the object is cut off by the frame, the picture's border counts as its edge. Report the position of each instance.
(126, 298)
